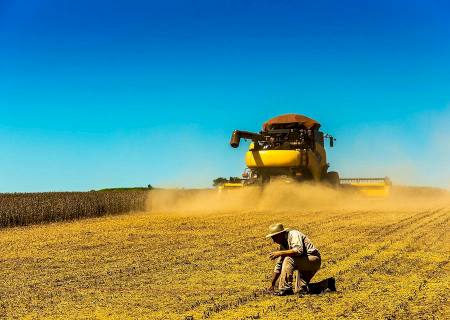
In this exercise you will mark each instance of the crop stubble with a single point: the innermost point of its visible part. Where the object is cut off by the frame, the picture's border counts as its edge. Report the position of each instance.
(390, 259)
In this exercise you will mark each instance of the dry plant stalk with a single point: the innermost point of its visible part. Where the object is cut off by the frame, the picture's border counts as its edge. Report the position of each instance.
(19, 209)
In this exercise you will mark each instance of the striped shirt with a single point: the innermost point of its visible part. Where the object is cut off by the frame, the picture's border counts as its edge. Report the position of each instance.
(298, 242)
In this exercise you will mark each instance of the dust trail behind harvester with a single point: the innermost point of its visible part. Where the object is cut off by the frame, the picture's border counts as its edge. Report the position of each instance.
(282, 197)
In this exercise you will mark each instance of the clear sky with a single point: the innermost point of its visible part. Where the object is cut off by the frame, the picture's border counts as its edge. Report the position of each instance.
(98, 94)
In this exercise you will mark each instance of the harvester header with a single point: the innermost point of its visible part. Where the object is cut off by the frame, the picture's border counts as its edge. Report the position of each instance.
(371, 187)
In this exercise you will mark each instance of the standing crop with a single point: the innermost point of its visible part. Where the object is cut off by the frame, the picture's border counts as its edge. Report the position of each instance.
(18, 209)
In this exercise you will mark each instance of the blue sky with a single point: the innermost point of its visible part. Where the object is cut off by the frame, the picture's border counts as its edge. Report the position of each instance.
(100, 94)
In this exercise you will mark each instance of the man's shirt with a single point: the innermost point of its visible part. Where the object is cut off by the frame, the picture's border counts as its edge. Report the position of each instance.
(298, 242)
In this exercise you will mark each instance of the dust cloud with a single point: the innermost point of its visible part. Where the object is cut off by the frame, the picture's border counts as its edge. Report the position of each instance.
(282, 197)
(413, 152)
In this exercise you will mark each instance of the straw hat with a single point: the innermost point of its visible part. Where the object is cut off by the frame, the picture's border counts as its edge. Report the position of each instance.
(276, 228)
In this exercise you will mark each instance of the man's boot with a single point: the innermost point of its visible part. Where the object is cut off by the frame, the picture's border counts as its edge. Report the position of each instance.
(304, 290)
(332, 284)
(322, 286)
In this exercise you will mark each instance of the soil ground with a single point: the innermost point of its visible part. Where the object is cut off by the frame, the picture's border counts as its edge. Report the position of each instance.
(390, 262)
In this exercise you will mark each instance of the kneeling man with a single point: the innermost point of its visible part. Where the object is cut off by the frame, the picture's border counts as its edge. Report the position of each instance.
(296, 253)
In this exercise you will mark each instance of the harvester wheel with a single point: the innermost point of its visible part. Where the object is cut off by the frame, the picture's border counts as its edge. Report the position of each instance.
(332, 178)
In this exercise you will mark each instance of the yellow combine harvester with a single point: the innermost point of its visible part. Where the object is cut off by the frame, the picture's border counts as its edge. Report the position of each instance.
(291, 147)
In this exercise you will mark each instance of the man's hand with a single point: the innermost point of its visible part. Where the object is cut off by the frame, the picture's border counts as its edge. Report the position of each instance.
(273, 282)
(275, 254)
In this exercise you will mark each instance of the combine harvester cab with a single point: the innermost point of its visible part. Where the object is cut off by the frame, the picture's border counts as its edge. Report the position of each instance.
(370, 187)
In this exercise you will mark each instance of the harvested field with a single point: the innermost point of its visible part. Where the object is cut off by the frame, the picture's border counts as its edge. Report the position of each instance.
(206, 257)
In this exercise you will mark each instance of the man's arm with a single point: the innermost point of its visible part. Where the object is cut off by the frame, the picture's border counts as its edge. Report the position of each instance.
(274, 280)
(276, 273)
(280, 255)
(283, 253)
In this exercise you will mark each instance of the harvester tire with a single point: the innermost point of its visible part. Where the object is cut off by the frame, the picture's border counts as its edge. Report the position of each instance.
(332, 178)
